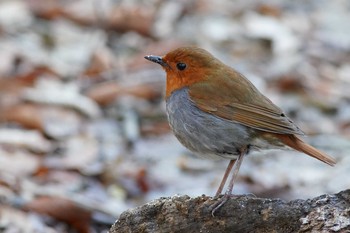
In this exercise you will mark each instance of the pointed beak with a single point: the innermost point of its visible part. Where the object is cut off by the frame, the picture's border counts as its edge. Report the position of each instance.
(157, 59)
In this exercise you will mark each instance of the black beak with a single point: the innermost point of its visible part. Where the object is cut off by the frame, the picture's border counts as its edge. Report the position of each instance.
(157, 59)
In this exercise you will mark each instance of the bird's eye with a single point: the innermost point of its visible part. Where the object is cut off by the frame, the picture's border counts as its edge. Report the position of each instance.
(181, 66)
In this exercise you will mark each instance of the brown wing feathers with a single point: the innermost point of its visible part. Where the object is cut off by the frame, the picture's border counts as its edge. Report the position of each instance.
(259, 114)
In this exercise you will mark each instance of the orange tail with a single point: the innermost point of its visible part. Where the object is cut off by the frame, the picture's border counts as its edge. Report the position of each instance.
(299, 145)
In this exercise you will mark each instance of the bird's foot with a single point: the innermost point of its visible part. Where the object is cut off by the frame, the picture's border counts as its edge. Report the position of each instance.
(221, 201)
(251, 195)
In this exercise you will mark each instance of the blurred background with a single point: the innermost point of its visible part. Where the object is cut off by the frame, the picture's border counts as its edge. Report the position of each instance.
(83, 129)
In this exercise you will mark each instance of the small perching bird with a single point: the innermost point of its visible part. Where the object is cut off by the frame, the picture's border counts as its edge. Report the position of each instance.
(215, 111)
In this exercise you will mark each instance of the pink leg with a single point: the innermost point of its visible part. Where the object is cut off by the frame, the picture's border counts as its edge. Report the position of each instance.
(230, 186)
(223, 181)
(234, 174)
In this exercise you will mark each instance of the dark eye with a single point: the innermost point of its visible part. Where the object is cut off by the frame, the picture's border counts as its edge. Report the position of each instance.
(181, 66)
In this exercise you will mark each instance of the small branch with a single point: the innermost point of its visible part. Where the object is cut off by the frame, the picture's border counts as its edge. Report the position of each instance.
(326, 213)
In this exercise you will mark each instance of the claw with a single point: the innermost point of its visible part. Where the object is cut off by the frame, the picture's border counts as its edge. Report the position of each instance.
(219, 204)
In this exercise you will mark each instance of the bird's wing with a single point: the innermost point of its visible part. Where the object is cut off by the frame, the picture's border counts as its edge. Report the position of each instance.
(257, 112)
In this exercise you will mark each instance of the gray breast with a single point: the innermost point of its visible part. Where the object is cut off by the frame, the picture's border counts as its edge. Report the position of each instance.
(204, 133)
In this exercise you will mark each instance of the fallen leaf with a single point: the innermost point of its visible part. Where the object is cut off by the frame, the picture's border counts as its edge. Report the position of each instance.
(18, 163)
(289, 84)
(25, 115)
(63, 210)
(137, 18)
(28, 139)
(108, 92)
(271, 10)
(58, 93)
(14, 220)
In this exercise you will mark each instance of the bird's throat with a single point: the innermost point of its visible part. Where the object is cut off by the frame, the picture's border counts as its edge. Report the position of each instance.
(177, 80)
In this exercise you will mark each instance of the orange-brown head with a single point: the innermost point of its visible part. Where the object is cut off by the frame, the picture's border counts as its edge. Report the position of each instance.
(185, 66)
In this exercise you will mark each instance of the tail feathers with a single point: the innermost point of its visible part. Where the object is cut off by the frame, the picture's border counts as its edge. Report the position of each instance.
(298, 144)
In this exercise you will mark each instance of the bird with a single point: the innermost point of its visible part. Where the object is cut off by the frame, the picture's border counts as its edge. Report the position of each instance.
(216, 112)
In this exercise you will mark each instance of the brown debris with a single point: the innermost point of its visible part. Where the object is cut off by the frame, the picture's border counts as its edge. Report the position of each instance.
(62, 210)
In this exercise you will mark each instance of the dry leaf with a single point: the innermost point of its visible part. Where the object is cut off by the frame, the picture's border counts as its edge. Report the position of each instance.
(28, 139)
(106, 93)
(292, 84)
(271, 10)
(13, 220)
(55, 92)
(27, 115)
(63, 210)
(18, 163)
(137, 18)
